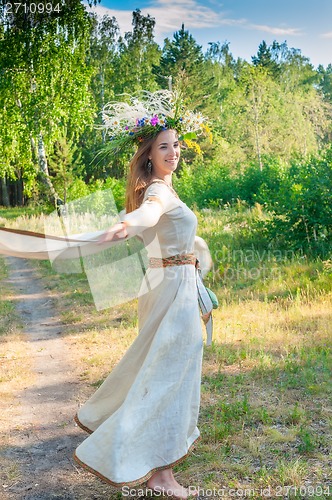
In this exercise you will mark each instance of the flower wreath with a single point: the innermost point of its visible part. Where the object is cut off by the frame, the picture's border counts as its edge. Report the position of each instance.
(148, 113)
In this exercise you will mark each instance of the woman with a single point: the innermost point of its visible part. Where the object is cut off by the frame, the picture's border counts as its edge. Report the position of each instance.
(144, 415)
(143, 418)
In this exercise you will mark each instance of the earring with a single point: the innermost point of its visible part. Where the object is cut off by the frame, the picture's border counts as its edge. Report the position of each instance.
(149, 166)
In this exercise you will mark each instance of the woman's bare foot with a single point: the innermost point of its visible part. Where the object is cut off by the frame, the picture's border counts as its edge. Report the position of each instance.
(164, 481)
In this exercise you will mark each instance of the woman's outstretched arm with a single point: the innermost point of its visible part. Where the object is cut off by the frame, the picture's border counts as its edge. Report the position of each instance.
(157, 201)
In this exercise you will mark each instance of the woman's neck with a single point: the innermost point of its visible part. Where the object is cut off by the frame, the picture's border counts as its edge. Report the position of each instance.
(166, 178)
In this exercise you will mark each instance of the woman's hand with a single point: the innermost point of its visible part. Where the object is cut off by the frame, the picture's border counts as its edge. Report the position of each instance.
(116, 232)
(206, 317)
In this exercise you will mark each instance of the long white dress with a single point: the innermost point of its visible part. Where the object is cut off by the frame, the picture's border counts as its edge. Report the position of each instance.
(143, 418)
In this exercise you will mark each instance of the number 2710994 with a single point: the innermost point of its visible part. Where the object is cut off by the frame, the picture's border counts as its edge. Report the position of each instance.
(32, 8)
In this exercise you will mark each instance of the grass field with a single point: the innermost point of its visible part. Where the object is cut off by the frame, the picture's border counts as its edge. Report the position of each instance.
(266, 414)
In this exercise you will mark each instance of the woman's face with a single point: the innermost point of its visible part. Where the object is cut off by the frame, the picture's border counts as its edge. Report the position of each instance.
(165, 153)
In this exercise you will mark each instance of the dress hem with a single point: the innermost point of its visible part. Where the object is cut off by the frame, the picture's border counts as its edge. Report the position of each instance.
(137, 482)
(82, 426)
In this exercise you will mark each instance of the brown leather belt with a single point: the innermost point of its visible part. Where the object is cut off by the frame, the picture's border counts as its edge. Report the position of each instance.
(174, 260)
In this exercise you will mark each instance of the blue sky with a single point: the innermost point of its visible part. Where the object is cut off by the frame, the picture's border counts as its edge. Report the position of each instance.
(304, 24)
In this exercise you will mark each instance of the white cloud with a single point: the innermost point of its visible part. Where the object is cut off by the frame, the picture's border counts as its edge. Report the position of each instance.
(276, 31)
(170, 14)
(123, 17)
(326, 35)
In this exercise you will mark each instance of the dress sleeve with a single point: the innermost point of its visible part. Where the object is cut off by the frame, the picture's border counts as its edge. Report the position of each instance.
(202, 253)
(158, 200)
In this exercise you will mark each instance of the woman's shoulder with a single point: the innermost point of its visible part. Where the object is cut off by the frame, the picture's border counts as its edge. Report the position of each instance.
(167, 196)
(157, 188)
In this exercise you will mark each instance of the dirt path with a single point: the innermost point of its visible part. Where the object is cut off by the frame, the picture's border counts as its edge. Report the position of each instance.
(43, 435)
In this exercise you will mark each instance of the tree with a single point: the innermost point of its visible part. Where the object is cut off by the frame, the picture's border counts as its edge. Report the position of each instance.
(65, 165)
(103, 57)
(266, 58)
(261, 118)
(220, 69)
(297, 71)
(123, 65)
(138, 53)
(325, 81)
(182, 62)
(44, 85)
(220, 53)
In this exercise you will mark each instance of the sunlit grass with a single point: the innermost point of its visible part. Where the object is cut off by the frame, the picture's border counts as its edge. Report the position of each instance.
(12, 213)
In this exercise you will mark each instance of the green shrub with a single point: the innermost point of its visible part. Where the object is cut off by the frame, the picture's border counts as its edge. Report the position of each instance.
(205, 185)
(257, 185)
(79, 189)
(302, 207)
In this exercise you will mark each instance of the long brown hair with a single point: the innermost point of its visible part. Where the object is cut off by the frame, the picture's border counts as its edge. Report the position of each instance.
(139, 177)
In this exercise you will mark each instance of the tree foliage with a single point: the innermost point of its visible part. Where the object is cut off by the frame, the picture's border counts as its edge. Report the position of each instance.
(44, 84)
(271, 117)
(137, 54)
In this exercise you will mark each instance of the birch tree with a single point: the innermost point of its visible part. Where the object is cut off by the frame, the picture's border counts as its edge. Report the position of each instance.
(44, 82)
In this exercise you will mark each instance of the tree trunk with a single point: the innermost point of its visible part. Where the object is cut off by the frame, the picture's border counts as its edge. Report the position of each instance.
(45, 177)
(257, 134)
(4, 193)
(102, 95)
(34, 153)
(19, 193)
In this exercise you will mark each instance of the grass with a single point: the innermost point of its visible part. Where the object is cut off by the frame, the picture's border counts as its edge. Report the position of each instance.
(266, 415)
(11, 214)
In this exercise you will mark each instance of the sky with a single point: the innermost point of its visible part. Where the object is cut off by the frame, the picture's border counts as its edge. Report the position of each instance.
(304, 24)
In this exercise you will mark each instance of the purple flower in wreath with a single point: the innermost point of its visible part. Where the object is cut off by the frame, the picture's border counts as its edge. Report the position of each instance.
(154, 120)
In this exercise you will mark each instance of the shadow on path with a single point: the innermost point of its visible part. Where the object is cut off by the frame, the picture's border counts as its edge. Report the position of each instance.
(42, 433)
